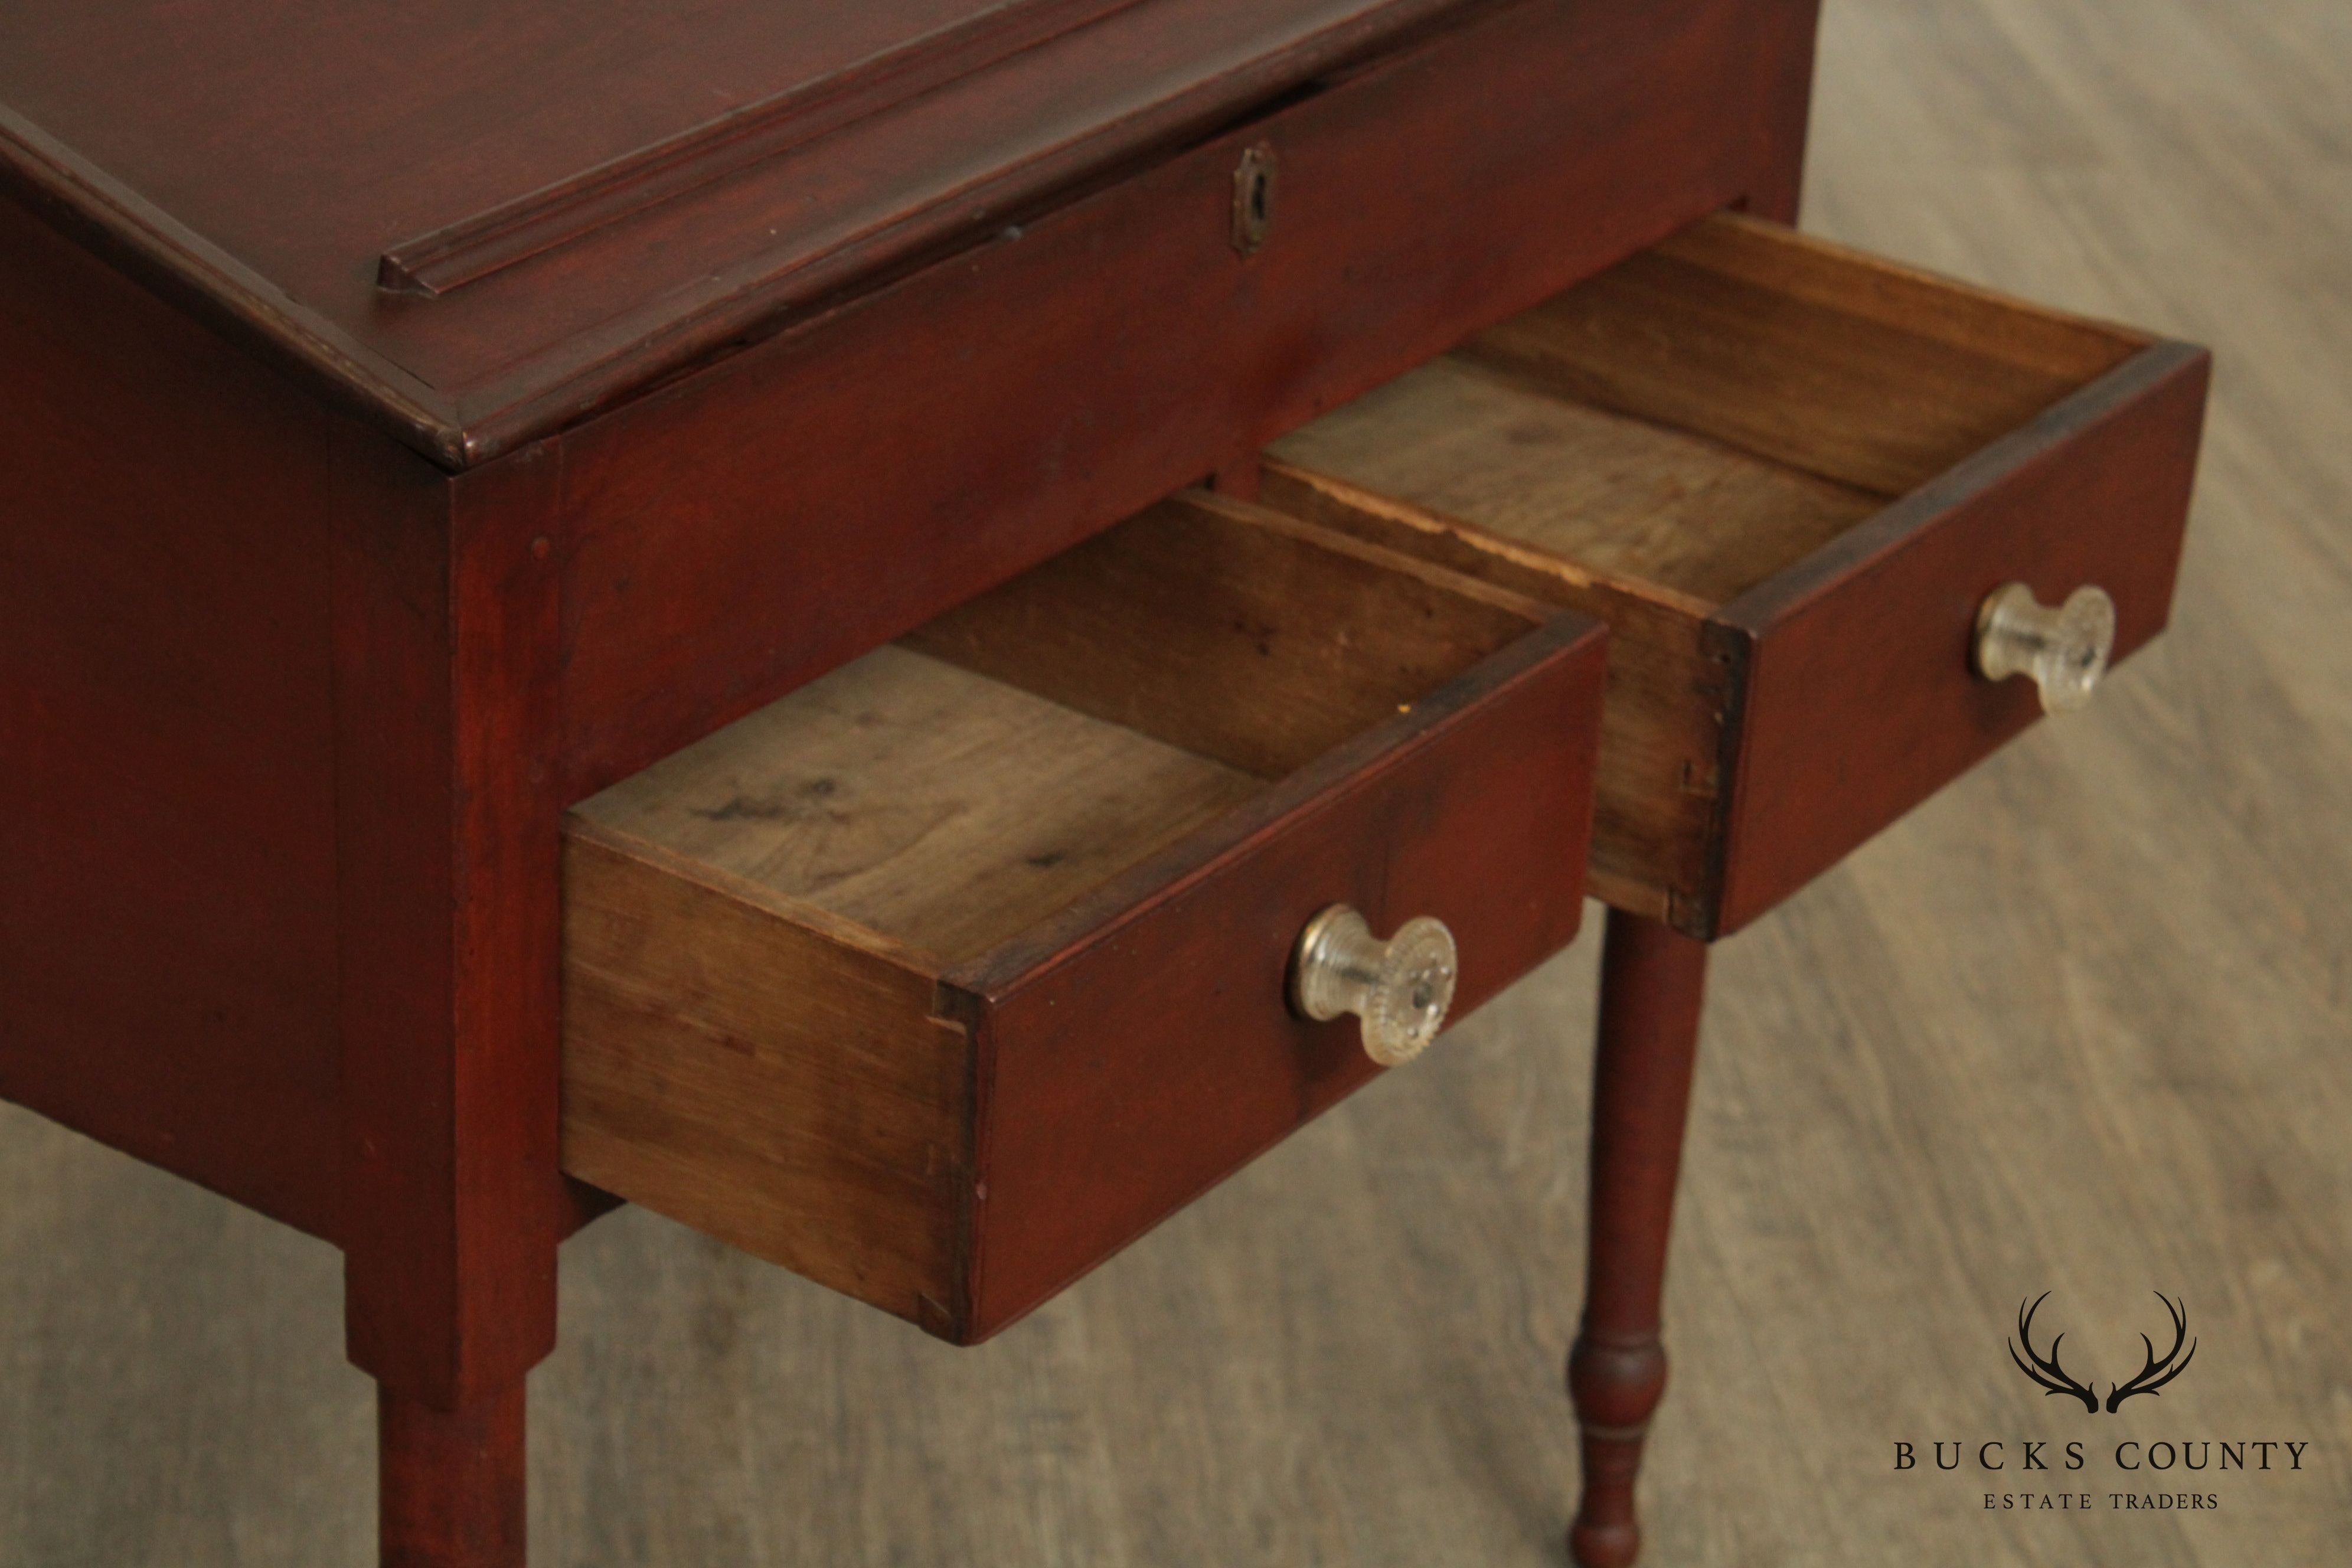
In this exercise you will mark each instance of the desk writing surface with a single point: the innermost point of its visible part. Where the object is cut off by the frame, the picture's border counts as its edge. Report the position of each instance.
(479, 221)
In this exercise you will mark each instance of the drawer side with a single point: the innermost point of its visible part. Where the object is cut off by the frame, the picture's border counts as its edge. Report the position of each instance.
(771, 1082)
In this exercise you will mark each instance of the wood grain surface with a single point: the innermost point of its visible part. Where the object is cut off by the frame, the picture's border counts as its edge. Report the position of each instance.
(2078, 1025)
(943, 809)
(1631, 499)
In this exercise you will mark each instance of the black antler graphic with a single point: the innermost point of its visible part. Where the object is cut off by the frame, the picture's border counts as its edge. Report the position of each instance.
(2048, 1374)
(2170, 1368)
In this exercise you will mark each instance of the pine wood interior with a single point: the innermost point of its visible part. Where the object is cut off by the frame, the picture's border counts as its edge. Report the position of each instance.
(871, 791)
(1711, 411)
(951, 790)
(1624, 498)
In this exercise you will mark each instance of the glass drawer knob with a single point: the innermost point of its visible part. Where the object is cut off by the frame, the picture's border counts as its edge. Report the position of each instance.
(2064, 648)
(1401, 988)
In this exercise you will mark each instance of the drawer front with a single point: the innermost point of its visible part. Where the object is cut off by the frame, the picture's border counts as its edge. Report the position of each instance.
(1861, 698)
(733, 535)
(1127, 1073)
(944, 977)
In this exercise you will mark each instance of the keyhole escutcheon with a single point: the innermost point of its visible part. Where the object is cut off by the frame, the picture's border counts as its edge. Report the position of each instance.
(1254, 199)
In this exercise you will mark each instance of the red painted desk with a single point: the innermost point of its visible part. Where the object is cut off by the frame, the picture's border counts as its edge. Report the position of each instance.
(426, 419)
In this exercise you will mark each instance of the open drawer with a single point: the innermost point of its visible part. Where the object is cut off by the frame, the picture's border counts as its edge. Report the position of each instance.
(948, 975)
(1792, 478)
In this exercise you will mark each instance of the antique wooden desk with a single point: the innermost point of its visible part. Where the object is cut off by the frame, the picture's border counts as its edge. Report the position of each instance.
(773, 611)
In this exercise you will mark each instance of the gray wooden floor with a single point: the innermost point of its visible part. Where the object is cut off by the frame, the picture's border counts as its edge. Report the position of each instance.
(2081, 1024)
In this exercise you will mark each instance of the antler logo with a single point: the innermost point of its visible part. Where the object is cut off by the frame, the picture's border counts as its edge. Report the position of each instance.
(2053, 1378)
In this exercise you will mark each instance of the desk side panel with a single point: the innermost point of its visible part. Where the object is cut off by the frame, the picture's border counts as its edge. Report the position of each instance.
(167, 863)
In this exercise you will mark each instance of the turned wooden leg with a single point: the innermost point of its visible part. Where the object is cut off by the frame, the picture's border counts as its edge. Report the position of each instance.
(453, 1491)
(1651, 980)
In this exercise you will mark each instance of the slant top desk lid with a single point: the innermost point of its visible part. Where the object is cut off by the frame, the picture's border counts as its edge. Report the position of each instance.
(476, 220)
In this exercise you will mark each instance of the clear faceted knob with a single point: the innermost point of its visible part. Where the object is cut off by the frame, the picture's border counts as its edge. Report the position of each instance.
(2064, 648)
(1401, 988)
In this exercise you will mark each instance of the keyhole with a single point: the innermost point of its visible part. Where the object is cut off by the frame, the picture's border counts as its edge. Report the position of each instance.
(1254, 199)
